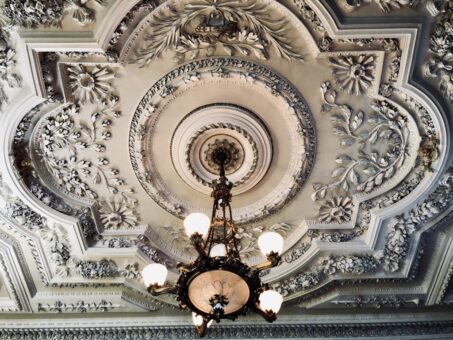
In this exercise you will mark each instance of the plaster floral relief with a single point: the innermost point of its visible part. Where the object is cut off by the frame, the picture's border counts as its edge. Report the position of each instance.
(54, 235)
(385, 125)
(338, 210)
(348, 264)
(34, 13)
(90, 84)
(243, 28)
(440, 62)
(9, 79)
(353, 74)
(64, 141)
(118, 215)
(385, 5)
(80, 307)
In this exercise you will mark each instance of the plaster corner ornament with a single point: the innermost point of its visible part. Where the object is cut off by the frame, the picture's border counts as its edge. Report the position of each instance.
(118, 215)
(197, 29)
(353, 74)
(336, 210)
(90, 84)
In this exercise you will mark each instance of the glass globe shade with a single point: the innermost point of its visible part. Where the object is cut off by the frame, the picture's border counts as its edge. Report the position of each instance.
(154, 273)
(271, 300)
(218, 250)
(197, 223)
(270, 242)
(197, 319)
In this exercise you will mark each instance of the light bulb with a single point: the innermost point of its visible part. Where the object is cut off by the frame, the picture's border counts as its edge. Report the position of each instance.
(154, 273)
(270, 300)
(270, 242)
(197, 223)
(218, 250)
(197, 319)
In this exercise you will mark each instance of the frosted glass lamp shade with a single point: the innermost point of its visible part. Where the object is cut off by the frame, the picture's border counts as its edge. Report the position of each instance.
(197, 319)
(197, 223)
(154, 273)
(218, 250)
(271, 300)
(270, 242)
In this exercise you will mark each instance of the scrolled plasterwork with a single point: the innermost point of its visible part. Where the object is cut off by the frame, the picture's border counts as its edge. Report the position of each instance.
(34, 13)
(199, 27)
(372, 168)
(440, 62)
(64, 139)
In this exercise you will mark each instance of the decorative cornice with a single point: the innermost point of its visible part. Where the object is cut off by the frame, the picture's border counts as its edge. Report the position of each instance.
(349, 330)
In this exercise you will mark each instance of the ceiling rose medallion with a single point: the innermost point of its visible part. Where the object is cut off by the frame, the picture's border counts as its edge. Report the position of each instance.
(211, 119)
(232, 127)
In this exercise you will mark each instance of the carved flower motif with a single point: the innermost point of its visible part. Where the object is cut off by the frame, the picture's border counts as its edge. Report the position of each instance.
(353, 74)
(337, 210)
(90, 85)
(118, 215)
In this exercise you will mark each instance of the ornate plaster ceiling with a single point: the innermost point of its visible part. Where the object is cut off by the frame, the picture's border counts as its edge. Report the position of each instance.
(337, 114)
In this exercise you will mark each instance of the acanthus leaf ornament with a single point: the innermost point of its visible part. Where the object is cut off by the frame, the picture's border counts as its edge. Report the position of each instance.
(197, 29)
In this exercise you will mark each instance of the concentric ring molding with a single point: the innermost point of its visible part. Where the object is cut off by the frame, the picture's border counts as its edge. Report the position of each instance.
(298, 120)
(221, 120)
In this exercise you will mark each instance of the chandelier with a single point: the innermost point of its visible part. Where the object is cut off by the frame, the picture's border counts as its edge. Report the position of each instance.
(218, 285)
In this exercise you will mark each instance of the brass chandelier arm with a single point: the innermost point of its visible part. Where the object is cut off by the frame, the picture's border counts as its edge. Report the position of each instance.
(156, 290)
(199, 245)
(273, 259)
(267, 315)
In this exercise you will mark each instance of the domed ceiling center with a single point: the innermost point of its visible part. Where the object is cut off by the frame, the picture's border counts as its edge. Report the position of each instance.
(222, 103)
(237, 130)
